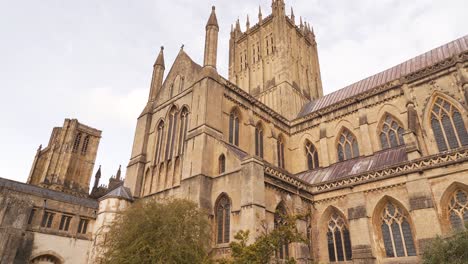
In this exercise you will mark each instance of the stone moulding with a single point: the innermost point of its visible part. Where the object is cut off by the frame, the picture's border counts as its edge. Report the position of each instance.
(429, 162)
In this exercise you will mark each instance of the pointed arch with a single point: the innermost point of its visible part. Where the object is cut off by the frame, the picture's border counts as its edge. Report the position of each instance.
(221, 164)
(259, 139)
(446, 120)
(454, 203)
(223, 218)
(46, 257)
(390, 131)
(234, 122)
(280, 150)
(159, 141)
(335, 226)
(171, 131)
(394, 226)
(347, 145)
(311, 155)
(184, 117)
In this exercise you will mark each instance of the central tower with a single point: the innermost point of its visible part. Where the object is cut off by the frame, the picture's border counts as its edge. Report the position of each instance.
(276, 61)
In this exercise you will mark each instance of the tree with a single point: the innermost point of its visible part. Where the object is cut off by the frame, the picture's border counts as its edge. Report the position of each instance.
(263, 250)
(150, 231)
(451, 250)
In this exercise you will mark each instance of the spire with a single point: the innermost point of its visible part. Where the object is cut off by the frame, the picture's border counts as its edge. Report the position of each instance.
(247, 24)
(158, 74)
(119, 172)
(293, 18)
(212, 21)
(260, 17)
(160, 59)
(238, 25)
(97, 177)
(211, 40)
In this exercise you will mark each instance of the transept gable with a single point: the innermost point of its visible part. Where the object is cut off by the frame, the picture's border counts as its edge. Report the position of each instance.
(183, 73)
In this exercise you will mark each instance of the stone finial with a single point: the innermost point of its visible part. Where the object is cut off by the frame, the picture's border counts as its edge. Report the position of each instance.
(260, 17)
(293, 18)
(212, 21)
(247, 24)
(97, 176)
(119, 172)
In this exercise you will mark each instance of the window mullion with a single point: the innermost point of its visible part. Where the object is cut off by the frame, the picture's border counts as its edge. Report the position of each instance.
(402, 238)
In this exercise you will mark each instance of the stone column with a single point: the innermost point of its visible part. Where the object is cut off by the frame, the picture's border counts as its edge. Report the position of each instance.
(324, 160)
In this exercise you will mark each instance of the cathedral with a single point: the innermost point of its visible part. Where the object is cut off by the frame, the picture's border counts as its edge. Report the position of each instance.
(379, 166)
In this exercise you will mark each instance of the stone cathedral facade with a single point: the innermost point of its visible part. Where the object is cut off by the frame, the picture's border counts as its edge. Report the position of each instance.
(380, 166)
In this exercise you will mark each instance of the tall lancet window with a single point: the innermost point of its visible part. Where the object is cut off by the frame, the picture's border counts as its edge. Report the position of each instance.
(259, 140)
(184, 115)
(458, 210)
(312, 155)
(447, 125)
(391, 134)
(280, 151)
(234, 128)
(347, 146)
(159, 139)
(338, 240)
(283, 248)
(171, 133)
(223, 219)
(221, 164)
(84, 148)
(76, 143)
(396, 232)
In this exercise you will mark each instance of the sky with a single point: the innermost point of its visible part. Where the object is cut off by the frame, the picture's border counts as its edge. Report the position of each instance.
(92, 60)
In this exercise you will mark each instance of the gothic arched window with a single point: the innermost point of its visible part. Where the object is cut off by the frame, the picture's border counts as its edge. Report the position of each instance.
(259, 140)
(77, 142)
(391, 134)
(171, 133)
(85, 145)
(234, 128)
(312, 155)
(223, 215)
(338, 240)
(283, 247)
(458, 210)
(221, 164)
(447, 125)
(160, 136)
(184, 115)
(347, 146)
(396, 232)
(280, 151)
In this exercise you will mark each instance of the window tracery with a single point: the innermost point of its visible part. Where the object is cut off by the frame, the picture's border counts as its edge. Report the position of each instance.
(259, 140)
(347, 146)
(223, 213)
(396, 232)
(391, 134)
(458, 210)
(234, 128)
(338, 239)
(312, 156)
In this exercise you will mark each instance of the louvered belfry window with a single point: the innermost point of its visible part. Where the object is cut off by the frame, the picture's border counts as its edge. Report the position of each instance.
(234, 128)
(448, 125)
(396, 232)
(458, 210)
(223, 213)
(339, 242)
(347, 146)
(259, 141)
(76, 143)
(392, 133)
(312, 156)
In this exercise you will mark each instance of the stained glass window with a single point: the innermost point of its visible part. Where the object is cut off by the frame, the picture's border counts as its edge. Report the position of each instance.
(396, 232)
(223, 213)
(338, 239)
(312, 156)
(347, 146)
(391, 134)
(458, 210)
(448, 125)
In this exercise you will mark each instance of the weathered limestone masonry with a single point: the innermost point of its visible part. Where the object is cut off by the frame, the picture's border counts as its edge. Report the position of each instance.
(380, 165)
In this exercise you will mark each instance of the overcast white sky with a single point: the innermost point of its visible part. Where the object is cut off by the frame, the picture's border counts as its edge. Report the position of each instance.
(92, 60)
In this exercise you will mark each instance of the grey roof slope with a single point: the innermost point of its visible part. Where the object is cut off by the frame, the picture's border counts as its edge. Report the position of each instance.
(119, 192)
(355, 166)
(47, 193)
(410, 66)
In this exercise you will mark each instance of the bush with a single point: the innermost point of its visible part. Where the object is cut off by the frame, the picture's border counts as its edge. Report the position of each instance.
(172, 231)
(451, 250)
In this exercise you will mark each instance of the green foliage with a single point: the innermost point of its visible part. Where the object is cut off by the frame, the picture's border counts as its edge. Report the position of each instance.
(172, 231)
(262, 251)
(451, 250)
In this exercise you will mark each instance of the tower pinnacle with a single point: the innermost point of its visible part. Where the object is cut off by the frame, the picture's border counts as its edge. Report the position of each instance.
(211, 40)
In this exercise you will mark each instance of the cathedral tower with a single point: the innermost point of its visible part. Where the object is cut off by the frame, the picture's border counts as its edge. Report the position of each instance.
(276, 61)
(67, 162)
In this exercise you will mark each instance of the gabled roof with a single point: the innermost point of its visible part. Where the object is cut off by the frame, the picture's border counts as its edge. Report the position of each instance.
(355, 166)
(401, 70)
(120, 192)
